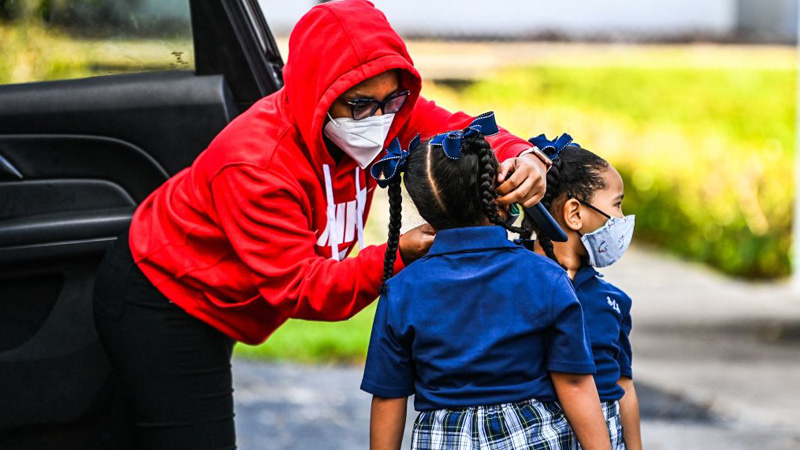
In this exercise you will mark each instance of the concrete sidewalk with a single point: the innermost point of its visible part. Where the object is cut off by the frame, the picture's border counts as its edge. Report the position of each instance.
(727, 345)
(732, 345)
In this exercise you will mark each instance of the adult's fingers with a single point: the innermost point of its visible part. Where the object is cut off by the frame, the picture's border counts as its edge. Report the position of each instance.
(521, 194)
(535, 193)
(505, 167)
(515, 180)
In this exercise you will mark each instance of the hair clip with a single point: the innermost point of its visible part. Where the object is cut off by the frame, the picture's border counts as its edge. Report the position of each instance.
(394, 163)
(451, 141)
(552, 148)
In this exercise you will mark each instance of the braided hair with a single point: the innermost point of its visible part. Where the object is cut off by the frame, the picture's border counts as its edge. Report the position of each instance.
(448, 193)
(576, 173)
(395, 220)
(488, 175)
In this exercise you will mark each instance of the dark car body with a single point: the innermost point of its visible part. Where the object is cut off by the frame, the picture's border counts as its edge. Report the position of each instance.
(76, 158)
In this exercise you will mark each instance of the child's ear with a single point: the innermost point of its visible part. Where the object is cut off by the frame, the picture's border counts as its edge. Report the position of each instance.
(572, 214)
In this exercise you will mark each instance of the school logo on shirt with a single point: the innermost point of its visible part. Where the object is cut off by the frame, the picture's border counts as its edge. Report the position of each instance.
(613, 304)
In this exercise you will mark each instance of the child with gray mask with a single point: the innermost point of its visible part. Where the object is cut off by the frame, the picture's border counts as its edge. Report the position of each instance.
(584, 195)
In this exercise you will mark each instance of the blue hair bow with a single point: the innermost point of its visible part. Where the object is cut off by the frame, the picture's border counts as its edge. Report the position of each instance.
(393, 163)
(451, 140)
(552, 148)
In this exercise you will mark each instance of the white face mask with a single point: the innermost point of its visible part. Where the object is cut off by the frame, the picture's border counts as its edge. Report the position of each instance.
(607, 244)
(361, 139)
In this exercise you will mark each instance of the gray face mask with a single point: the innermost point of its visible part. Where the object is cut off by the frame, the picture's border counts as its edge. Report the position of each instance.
(607, 244)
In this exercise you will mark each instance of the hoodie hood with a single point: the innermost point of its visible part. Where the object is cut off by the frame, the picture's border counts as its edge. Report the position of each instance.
(335, 46)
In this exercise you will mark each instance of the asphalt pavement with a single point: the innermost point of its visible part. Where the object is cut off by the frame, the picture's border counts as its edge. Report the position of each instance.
(716, 362)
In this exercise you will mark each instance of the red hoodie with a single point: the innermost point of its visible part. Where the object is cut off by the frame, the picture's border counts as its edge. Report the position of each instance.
(242, 238)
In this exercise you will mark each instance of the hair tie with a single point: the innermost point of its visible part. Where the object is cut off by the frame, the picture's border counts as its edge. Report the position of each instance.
(451, 141)
(394, 163)
(553, 148)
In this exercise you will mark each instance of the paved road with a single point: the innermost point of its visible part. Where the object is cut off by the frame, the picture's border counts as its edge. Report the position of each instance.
(306, 407)
(728, 344)
(717, 363)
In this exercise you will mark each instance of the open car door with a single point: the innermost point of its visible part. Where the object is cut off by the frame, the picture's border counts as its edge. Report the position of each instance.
(76, 158)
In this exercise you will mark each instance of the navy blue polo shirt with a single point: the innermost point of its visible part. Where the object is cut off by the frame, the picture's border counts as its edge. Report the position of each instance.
(608, 318)
(478, 321)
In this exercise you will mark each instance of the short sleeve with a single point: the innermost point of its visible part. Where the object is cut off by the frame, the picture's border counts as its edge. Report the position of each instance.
(625, 358)
(568, 346)
(389, 370)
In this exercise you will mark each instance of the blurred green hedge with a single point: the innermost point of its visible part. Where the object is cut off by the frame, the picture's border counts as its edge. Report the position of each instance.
(31, 52)
(706, 152)
(703, 136)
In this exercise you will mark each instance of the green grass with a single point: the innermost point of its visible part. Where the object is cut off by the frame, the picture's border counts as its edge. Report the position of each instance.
(747, 105)
(316, 342)
(706, 153)
(30, 52)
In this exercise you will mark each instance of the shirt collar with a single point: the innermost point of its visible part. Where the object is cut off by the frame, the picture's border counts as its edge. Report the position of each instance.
(455, 240)
(585, 273)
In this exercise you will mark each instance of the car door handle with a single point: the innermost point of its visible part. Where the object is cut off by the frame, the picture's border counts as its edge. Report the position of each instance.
(45, 237)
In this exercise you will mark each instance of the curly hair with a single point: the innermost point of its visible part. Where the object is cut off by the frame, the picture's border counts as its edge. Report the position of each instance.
(576, 173)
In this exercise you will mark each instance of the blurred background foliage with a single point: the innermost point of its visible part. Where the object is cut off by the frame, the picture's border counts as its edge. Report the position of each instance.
(32, 49)
(706, 153)
(43, 40)
(706, 148)
(100, 17)
(64, 10)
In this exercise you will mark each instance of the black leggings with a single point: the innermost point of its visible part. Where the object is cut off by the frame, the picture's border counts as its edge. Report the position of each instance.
(174, 371)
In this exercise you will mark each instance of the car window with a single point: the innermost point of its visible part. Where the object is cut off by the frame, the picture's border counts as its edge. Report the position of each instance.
(51, 40)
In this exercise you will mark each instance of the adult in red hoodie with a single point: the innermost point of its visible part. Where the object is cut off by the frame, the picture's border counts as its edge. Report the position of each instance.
(258, 229)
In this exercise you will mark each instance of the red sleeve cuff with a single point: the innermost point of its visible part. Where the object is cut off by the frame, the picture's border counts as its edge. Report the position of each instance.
(512, 151)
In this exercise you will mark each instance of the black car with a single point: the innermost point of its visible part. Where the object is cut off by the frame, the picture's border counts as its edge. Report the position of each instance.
(76, 157)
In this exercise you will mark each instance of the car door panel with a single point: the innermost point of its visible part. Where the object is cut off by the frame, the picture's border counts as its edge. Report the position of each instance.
(172, 115)
(71, 372)
(76, 158)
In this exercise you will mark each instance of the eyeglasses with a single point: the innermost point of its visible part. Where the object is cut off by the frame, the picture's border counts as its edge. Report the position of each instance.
(591, 206)
(361, 108)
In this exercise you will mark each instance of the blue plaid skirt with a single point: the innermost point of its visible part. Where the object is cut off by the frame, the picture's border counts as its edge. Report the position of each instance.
(510, 426)
(614, 424)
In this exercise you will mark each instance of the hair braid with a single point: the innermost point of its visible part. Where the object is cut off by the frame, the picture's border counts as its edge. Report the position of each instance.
(487, 169)
(395, 220)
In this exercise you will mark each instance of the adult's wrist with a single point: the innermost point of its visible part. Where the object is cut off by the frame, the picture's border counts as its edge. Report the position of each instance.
(539, 156)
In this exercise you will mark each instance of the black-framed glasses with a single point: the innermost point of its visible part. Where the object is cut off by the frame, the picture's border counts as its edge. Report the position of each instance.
(591, 206)
(361, 108)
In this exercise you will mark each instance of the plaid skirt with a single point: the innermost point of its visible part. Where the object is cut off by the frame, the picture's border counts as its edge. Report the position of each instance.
(510, 426)
(614, 425)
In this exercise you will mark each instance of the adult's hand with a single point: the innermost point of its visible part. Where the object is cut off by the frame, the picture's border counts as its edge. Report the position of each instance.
(415, 243)
(522, 180)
